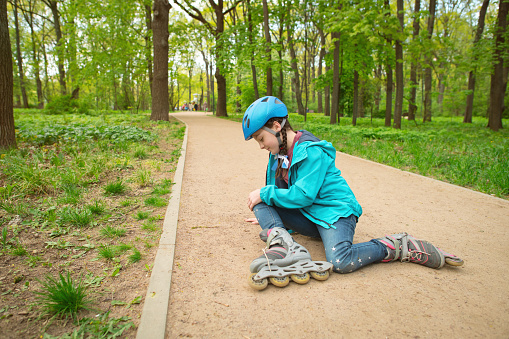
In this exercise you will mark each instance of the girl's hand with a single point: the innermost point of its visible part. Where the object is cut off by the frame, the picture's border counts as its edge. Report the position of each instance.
(253, 199)
(253, 221)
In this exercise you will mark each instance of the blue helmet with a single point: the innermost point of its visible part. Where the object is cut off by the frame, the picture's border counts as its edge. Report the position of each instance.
(260, 112)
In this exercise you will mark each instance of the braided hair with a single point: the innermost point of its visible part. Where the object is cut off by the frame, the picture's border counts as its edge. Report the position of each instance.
(283, 150)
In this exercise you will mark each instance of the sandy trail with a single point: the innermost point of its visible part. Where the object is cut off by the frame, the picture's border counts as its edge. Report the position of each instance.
(210, 297)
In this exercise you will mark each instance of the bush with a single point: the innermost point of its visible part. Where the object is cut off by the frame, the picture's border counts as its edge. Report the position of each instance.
(66, 104)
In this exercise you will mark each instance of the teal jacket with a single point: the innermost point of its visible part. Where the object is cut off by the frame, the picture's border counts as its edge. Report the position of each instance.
(315, 185)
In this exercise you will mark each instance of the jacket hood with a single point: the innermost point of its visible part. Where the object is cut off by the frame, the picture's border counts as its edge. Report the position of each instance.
(307, 139)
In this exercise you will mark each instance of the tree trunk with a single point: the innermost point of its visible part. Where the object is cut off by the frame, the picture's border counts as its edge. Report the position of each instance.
(295, 68)
(471, 75)
(498, 83)
(7, 133)
(427, 72)
(29, 16)
(412, 107)
(268, 48)
(160, 102)
(388, 96)
(53, 5)
(320, 62)
(251, 43)
(398, 109)
(19, 58)
(148, 45)
(334, 118)
(326, 93)
(212, 90)
(355, 112)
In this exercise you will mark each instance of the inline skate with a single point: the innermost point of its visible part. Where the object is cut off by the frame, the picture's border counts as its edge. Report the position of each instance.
(284, 259)
(406, 248)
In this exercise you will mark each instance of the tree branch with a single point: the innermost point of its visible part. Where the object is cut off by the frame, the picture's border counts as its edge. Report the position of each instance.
(198, 16)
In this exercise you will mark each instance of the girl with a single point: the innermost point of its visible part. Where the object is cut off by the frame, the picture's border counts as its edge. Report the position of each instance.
(306, 193)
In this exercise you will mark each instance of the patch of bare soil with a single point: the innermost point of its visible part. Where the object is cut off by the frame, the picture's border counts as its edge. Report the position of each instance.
(117, 286)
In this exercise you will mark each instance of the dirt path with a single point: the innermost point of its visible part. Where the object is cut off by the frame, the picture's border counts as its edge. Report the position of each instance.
(210, 297)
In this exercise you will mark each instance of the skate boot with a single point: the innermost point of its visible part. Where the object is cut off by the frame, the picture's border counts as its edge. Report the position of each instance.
(404, 247)
(283, 258)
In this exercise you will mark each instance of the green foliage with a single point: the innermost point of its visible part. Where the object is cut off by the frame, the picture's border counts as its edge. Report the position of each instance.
(135, 257)
(109, 231)
(101, 326)
(107, 252)
(97, 207)
(47, 135)
(63, 296)
(66, 104)
(156, 201)
(141, 215)
(115, 188)
(77, 216)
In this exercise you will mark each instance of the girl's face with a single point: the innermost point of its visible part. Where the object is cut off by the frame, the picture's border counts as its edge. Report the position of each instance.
(266, 140)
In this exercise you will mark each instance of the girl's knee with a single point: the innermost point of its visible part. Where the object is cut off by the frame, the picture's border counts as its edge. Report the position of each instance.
(344, 267)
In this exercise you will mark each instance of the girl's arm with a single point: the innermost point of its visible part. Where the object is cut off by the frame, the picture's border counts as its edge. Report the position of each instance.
(310, 175)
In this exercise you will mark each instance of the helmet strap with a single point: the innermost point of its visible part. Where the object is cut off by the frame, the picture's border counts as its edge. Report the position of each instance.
(276, 134)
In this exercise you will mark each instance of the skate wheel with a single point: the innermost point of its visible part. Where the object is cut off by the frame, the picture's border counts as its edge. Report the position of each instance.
(454, 261)
(257, 284)
(300, 278)
(320, 275)
(279, 281)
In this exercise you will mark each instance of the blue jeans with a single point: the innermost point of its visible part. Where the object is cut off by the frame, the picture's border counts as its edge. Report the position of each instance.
(339, 250)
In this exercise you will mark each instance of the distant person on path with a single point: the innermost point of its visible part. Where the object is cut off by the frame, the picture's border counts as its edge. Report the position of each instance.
(306, 193)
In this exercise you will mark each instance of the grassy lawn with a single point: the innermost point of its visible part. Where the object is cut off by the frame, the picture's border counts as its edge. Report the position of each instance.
(468, 155)
(82, 203)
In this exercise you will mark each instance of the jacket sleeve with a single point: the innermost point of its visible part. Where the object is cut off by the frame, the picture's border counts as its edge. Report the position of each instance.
(309, 177)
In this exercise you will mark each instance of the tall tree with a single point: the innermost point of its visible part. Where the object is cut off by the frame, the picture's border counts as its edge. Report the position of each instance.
(217, 32)
(334, 114)
(28, 13)
(148, 41)
(53, 5)
(412, 106)
(252, 49)
(389, 81)
(268, 48)
(19, 57)
(293, 63)
(498, 80)
(398, 109)
(429, 64)
(160, 101)
(7, 133)
(471, 75)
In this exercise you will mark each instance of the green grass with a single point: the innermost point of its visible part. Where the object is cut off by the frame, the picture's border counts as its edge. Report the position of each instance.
(109, 231)
(135, 257)
(156, 202)
(115, 188)
(63, 296)
(97, 207)
(141, 215)
(80, 217)
(107, 252)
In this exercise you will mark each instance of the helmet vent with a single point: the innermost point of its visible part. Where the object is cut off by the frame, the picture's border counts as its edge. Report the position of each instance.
(277, 101)
(265, 100)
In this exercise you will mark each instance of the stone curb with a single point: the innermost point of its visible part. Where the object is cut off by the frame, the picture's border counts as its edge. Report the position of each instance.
(155, 308)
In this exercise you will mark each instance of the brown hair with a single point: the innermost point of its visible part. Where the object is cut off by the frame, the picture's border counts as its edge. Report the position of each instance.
(283, 150)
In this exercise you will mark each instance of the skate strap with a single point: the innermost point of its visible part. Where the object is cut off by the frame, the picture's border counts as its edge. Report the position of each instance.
(265, 254)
